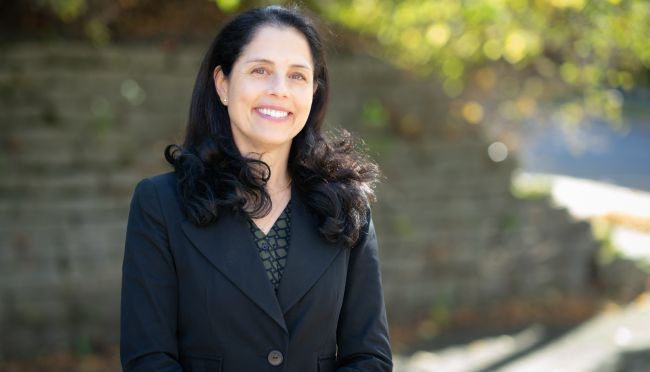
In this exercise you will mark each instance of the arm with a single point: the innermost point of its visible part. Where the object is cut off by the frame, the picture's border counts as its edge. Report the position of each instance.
(149, 288)
(362, 332)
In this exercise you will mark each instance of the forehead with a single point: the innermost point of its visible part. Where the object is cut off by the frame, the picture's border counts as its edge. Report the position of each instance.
(278, 44)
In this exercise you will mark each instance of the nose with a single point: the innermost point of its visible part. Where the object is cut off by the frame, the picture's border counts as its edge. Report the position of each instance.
(278, 86)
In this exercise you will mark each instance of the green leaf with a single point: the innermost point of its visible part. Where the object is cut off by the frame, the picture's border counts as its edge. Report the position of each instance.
(228, 5)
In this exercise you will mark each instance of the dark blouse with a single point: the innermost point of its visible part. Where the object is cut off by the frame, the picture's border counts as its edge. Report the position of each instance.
(274, 247)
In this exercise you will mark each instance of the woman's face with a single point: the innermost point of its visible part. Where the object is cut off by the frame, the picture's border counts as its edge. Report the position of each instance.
(270, 89)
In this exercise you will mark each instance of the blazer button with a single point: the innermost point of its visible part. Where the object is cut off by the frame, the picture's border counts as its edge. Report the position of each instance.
(275, 358)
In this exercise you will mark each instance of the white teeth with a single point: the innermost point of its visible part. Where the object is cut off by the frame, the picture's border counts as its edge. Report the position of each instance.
(274, 113)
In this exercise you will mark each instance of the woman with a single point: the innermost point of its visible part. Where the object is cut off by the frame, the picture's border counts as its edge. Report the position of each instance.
(258, 252)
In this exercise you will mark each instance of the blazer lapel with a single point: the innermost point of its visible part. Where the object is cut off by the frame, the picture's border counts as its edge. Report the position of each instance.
(309, 255)
(227, 246)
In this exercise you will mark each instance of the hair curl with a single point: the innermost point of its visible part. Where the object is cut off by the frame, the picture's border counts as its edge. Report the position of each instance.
(333, 177)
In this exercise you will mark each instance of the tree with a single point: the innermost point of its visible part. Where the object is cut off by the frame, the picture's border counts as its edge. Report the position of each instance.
(498, 61)
(514, 54)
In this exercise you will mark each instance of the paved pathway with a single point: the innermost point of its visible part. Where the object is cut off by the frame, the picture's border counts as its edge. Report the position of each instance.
(618, 340)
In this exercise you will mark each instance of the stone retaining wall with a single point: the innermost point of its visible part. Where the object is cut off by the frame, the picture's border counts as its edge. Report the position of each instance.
(80, 126)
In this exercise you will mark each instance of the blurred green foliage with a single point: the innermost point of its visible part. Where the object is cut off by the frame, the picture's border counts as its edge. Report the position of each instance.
(374, 114)
(497, 60)
(530, 187)
(602, 232)
(66, 10)
(514, 55)
(228, 5)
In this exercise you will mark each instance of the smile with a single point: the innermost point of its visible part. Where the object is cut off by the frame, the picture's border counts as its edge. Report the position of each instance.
(272, 113)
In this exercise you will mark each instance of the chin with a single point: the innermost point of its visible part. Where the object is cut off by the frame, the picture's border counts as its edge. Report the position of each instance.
(266, 139)
(269, 143)
(272, 138)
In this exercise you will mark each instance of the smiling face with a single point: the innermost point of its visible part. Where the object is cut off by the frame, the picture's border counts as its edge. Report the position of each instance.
(269, 91)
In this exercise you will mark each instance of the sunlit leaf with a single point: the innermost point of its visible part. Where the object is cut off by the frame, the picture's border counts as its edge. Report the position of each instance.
(228, 5)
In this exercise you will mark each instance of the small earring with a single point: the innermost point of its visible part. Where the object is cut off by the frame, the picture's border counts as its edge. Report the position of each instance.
(225, 101)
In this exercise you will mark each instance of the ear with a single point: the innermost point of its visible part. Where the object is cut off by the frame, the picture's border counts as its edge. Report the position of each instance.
(221, 84)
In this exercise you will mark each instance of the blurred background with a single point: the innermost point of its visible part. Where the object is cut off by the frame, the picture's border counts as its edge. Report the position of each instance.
(514, 220)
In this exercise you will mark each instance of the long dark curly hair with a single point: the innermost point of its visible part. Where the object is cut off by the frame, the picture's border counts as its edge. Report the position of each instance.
(334, 178)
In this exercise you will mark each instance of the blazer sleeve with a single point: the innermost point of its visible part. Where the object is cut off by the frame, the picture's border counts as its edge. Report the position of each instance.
(362, 334)
(149, 288)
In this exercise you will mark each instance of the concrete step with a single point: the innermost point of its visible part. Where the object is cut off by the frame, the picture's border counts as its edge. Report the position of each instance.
(66, 159)
(149, 161)
(55, 141)
(72, 90)
(28, 243)
(105, 118)
(39, 187)
(68, 56)
(17, 213)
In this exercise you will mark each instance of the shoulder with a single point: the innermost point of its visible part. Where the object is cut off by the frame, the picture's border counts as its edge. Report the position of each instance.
(162, 184)
(163, 181)
(157, 196)
(161, 188)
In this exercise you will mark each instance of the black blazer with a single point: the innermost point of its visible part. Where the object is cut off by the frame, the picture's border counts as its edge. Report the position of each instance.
(198, 299)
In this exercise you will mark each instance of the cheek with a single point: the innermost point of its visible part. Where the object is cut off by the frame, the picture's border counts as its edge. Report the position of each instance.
(306, 99)
(307, 105)
(243, 91)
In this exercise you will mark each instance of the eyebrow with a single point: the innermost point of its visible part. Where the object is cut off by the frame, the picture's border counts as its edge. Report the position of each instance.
(256, 60)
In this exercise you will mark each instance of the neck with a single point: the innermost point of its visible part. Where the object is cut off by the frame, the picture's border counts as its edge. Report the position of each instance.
(277, 160)
(280, 177)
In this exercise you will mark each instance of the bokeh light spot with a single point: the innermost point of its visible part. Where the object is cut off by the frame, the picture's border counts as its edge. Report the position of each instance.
(515, 48)
(438, 34)
(132, 91)
(228, 5)
(473, 112)
(497, 151)
(492, 49)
